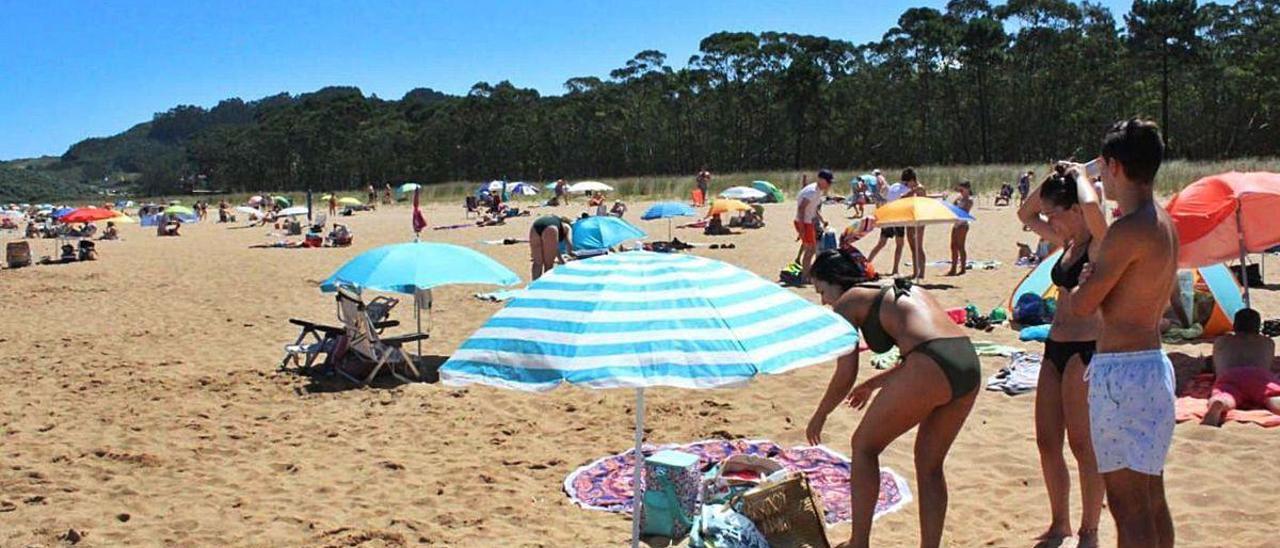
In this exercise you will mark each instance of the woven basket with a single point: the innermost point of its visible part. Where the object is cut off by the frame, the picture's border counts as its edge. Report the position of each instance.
(787, 513)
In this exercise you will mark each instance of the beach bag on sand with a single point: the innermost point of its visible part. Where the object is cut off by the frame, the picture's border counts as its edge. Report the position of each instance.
(736, 475)
(1030, 310)
(786, 512)
(18, 254)
(719, 526)
(791, 274)
(670, 495)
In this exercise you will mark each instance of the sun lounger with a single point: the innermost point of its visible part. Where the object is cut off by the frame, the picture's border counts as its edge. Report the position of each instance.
(364, 341)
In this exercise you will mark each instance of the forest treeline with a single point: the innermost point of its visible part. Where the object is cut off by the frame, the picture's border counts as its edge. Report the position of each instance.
(1030, 80)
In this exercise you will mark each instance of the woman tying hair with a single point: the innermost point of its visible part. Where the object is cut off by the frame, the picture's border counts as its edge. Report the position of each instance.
(934, 387)
(545, 237)
(1072, 221)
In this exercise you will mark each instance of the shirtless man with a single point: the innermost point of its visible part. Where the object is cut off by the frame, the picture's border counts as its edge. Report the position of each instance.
(1131, 400)
(1242, 362)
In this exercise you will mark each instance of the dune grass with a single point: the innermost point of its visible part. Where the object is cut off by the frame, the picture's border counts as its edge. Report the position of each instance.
(985, 179)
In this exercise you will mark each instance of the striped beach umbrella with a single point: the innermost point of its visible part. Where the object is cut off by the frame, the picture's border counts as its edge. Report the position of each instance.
(640, 319)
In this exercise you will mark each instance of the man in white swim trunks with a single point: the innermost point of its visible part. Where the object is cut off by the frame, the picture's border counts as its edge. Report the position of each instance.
(1131, 400)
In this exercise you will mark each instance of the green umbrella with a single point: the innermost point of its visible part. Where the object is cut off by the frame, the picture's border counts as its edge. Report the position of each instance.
(768, 188)
(178, 210)
(281, 201)
(409, 187)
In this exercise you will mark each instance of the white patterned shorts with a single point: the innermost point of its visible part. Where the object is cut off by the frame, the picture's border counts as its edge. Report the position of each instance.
(1131, 410)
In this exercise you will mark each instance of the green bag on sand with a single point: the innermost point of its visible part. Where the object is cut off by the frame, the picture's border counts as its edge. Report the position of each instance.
(999, 314)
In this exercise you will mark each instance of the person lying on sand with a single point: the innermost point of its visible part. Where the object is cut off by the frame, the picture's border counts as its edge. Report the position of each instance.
(1242, 362)
(933, 388)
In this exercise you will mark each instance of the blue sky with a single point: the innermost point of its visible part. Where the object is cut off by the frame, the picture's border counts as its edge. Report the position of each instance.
(76, 69)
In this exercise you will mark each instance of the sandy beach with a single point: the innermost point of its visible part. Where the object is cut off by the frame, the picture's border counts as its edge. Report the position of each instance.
(143, 405)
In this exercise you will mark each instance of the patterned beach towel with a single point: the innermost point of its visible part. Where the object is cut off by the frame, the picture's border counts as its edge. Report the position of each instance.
(606, 483)
(1193, 403)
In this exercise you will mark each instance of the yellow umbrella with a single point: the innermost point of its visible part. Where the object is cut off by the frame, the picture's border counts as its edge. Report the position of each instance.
(326, 197)
(721, 206)
(123, 219)
(919, 211)
(350, 201)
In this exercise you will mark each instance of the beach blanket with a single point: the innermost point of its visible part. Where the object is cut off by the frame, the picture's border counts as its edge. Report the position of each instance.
(499, 296)
(606, 483)
(972, 264)
(506, 241)
(1019, 377)
(1193, 402)
(988, 348)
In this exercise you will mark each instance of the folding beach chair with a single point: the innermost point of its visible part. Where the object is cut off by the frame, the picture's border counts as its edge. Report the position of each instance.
(364, 341)
(316, 339)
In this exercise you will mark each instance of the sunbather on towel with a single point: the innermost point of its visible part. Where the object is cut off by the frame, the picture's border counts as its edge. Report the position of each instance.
(1242, 362)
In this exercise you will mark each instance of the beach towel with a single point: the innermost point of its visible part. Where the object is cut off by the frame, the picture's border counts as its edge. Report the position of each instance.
(972, 264)
(1038, 333)
(1176, 335)
(499, 296)
(506, 241)
(606, 483)
(451, 227)
(1193, 402)
(1020, 376)
(988, 348)
(887, 359)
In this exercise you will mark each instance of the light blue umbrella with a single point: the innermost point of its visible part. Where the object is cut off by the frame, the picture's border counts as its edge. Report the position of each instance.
(416, 266)
(412, 267)
(603, 232)
(640, 319)
(408, 187)
(667, 210)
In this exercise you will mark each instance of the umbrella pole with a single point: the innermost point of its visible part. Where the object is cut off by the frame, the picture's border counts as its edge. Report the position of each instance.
(417, 312)
(1244, 273)
(669, 229)
(636, 496)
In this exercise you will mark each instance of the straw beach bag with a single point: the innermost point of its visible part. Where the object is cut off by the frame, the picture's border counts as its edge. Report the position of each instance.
(787, 513)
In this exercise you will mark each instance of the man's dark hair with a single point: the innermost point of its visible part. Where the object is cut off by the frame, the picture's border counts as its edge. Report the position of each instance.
(1138, 146)
(1247, 321)
(908, 174)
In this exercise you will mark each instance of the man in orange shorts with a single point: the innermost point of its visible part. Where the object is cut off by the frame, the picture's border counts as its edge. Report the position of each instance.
(808, 218)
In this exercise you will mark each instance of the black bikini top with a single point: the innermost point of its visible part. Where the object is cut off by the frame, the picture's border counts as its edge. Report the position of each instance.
(1068, 277)
(879, 340)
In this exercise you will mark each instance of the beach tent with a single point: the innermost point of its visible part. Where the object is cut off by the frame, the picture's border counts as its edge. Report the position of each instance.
(768, 188)
(1216, 279)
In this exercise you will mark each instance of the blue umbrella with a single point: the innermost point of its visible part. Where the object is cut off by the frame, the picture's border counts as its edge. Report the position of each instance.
(62, 211)
(603, 232)
(640, 319)
(413, 267)
(667, 210)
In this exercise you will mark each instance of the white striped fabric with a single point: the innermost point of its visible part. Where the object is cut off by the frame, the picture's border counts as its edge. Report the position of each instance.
(640, 319)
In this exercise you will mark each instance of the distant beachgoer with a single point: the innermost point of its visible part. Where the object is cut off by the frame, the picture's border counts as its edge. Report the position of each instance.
(933, 387)
(858, 196)
(333, 205)
(960, 232)
(386, 195)
(915, 234)
(619, 209)
(897, 233)
(703, 183)
(545, 237)
(881, 194)
(1131, 399)
(808, 218)
(562, 192)
(111, 232)
(373, 194)
(1242, 362)
(1024, 186)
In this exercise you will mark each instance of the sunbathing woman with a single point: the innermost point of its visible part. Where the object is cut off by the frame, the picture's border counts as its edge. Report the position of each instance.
(1072, 221)
(545, 237)
(934, 387)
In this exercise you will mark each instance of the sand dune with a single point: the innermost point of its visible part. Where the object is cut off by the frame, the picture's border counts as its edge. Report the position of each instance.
(143, 406)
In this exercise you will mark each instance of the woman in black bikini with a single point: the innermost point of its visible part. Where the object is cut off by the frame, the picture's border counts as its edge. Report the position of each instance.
(933, 387)
(545, 237)
(1072, 221)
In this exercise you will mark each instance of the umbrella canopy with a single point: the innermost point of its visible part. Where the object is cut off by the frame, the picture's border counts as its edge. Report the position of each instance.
(62, 211)
(181, 210)
(252, 212)
(666, 210)
(603, 232)
(350, 201)
(325, 197)
(590, 186)
(640, 319)
(1222, 217)
(919, 211)
(411, 267)
(255, 200)
(743, 193)
(523, 189)
(292, 211)
(12, 214)
(122, 219)
(88, 215)
(408, 187)
(768, 188)
(281, 201)
(722, 206)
